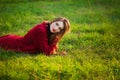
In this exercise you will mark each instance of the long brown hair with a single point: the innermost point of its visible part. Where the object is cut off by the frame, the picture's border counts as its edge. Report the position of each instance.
(55, 37)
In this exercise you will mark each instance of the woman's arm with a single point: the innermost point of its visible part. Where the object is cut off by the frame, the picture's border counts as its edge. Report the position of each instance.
(40, 39)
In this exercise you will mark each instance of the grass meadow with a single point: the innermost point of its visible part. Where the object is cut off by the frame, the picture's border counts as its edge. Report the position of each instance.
(93, 44)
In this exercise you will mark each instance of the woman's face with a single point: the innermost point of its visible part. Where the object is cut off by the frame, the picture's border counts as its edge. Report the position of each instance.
(56, 26)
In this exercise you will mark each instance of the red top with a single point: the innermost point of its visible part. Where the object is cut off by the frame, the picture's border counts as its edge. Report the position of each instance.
(36, 40)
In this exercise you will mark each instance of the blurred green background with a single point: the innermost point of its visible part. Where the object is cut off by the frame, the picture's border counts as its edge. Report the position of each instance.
(93, 45)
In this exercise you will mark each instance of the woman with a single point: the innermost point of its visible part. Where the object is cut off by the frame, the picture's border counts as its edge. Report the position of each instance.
(43, 38)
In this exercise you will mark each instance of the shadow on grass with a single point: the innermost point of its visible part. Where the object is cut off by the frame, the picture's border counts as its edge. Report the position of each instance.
(7, 55)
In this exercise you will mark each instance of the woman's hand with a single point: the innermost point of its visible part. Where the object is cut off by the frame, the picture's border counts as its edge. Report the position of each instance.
(64, 53)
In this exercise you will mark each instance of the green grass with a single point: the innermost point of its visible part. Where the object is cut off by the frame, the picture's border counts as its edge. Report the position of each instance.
(93, 45)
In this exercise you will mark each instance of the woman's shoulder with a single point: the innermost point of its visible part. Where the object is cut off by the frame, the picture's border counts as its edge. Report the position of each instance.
(40, 26)
(44, 23)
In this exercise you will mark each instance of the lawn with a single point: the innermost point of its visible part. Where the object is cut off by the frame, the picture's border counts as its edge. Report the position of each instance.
(93, 45)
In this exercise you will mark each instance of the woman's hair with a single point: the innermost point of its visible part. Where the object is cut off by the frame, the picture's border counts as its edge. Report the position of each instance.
(55, 37)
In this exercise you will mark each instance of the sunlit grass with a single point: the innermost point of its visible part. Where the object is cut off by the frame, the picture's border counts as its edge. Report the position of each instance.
(93, 44)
